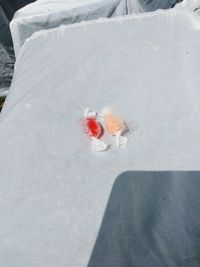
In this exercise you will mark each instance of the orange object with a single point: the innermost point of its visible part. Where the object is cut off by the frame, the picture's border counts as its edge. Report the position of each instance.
(113, 123)
(115, 126)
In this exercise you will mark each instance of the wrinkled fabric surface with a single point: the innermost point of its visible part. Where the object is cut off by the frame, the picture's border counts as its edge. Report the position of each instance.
(47, 14)
(55, 192)
(139, 6)
(189, 4)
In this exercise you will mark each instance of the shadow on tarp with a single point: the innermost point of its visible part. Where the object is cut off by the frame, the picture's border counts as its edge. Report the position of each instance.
(151, 219)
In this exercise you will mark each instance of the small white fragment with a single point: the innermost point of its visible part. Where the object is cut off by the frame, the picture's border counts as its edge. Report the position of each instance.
(121, 141)
(98, 145)
(90, 113)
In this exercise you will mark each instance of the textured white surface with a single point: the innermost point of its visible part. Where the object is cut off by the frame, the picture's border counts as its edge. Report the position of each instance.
(53, 188)
(48, 14)
(189, 4)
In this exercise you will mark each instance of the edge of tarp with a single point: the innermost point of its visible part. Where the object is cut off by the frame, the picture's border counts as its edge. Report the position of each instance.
(195, 19)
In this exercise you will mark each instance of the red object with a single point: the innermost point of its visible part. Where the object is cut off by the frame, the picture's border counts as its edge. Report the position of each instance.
(92, 127)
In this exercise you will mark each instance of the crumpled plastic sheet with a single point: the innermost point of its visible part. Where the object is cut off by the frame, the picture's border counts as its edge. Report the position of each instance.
(63, 205)
(140, 6)
(6, 69)
(45, 14)
(190, 4)
(6, 55)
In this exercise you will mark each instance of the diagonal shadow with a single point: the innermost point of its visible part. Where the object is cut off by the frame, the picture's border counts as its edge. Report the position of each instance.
(151, 219)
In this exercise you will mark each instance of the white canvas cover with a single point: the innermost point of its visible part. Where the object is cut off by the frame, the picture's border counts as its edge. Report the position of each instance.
(47, 14)
(54, 190)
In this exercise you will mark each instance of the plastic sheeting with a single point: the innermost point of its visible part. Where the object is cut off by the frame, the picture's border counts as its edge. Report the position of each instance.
(47, 14)
(6, 54)
(6, 69)
(7, 58)
(190, 4)
(140, 6)
(54, 190)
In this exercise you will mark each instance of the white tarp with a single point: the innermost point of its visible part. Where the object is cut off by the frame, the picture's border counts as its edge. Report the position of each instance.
(54, 190)
(47, 14)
